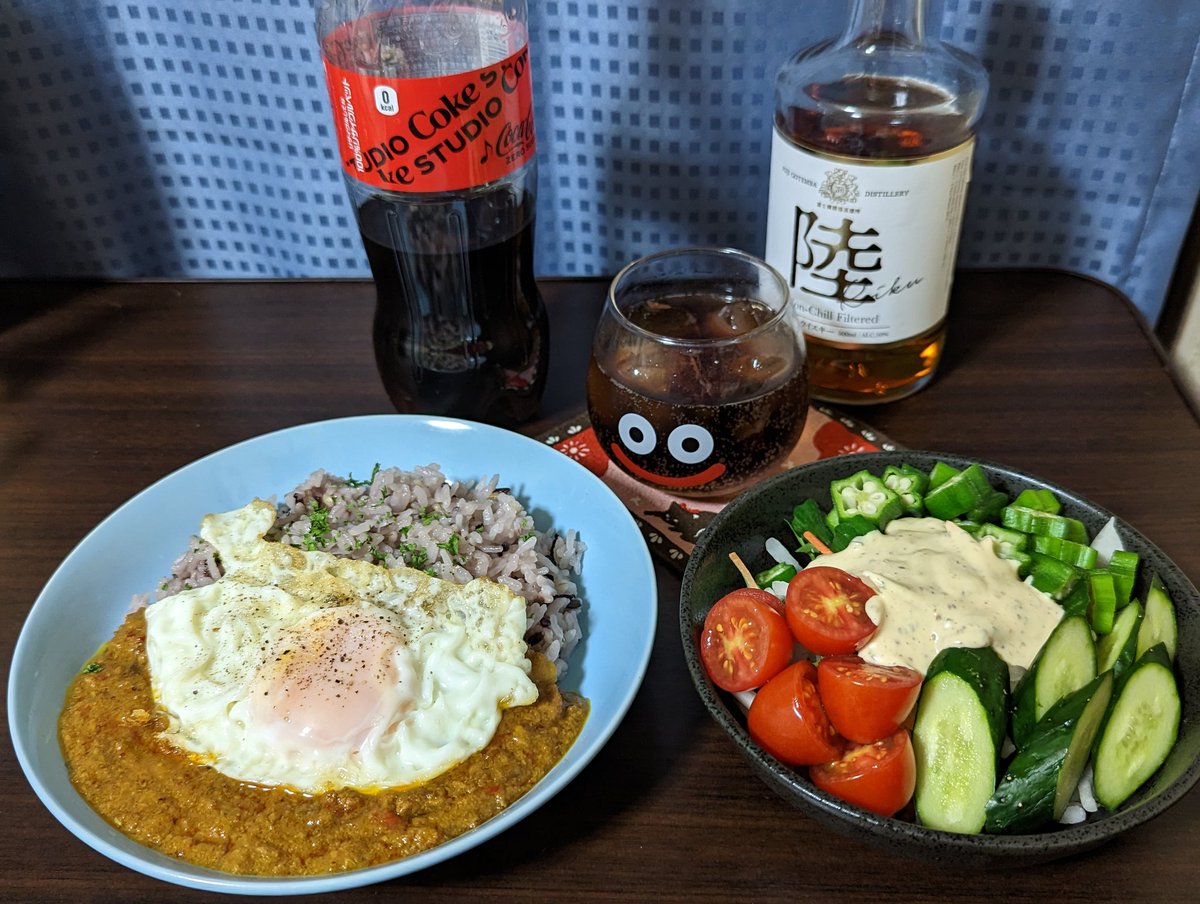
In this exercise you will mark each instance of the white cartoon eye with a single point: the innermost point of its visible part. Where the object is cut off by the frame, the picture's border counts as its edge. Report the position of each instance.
(636, 433)
(690, 444)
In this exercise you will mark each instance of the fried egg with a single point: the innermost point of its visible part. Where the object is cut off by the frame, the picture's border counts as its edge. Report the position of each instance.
(305, 670)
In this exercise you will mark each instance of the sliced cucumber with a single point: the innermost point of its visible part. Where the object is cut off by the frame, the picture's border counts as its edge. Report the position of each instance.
(1042, 777)
(1066, 662)
(957, 736)
(1140, 729)
(1118, 650)
(1158, 622)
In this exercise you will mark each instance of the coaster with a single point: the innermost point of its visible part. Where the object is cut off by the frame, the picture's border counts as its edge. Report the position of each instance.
(671, 524)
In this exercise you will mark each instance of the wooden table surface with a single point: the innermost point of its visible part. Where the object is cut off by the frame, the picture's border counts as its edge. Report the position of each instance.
(106, 388)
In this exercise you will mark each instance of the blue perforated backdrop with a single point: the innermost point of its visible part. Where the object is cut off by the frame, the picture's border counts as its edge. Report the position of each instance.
(193, 140)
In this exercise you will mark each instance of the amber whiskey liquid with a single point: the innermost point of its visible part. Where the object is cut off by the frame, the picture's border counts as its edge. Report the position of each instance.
(856, 372)
(870, 164)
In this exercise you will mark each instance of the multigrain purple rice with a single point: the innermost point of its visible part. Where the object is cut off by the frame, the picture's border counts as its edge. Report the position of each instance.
(453, 530)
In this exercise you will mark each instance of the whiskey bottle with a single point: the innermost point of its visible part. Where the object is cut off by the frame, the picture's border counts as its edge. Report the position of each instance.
(870, 161)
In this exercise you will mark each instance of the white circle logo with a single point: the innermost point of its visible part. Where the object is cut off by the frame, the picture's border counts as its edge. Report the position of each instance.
(386, 101)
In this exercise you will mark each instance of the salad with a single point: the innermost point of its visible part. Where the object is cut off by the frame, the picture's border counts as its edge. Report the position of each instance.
(959, 737)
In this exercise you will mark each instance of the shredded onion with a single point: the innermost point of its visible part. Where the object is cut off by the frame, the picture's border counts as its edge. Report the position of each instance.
(779, 553)
(744, 699)
(1107, 541)
(1086, 791)
(1073, 814)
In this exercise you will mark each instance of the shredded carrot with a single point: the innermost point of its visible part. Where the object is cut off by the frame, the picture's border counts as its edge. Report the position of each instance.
(741, 567)
(816, 542)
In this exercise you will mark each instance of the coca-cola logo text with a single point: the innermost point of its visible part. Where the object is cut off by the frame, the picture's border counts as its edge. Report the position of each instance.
(472, 127)
(514, 138)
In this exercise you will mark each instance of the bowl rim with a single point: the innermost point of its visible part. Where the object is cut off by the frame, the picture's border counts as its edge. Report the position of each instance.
(1060, 841)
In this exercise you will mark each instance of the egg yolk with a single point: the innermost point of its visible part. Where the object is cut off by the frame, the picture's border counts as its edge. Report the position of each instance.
(329, 681)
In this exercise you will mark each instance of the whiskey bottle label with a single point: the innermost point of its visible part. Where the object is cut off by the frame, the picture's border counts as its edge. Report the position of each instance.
(868, 248)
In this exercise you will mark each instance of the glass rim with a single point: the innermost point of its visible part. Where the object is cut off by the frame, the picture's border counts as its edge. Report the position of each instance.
(711, 251)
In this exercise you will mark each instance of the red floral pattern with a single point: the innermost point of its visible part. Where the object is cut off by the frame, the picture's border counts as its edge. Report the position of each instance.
(834, 438)
(584, 447)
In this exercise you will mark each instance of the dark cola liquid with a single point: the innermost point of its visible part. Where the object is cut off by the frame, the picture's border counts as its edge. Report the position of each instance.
(460, 327)
(751, 398)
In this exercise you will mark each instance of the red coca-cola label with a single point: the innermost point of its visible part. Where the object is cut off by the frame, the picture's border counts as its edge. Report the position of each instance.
(434, 134)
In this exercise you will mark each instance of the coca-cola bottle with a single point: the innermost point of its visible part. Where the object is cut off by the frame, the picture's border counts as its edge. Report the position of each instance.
(870, 162)
(432, 106)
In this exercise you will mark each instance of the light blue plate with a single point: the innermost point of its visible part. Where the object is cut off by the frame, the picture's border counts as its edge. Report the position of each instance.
(88, 596)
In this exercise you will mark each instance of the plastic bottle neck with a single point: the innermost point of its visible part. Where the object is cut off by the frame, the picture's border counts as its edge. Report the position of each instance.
(891, 23)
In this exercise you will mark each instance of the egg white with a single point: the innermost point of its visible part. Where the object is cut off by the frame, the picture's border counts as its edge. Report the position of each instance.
(303, 669)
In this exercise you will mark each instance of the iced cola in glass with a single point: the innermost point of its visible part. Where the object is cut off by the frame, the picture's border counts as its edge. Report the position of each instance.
(697, 382)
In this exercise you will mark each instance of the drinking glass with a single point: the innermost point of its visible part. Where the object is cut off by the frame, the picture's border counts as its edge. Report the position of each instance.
(697, 382)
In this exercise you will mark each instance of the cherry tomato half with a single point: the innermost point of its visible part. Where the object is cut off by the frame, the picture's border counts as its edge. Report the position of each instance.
(864, 701)
(879, 777)
(787, 720)
(745, 641)
(826, 610)
(758, 593)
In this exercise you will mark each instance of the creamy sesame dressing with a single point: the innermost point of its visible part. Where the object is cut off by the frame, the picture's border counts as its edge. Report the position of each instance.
(936, 587)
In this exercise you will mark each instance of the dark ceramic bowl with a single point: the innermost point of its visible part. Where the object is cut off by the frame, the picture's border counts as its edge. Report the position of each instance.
(763, 511)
